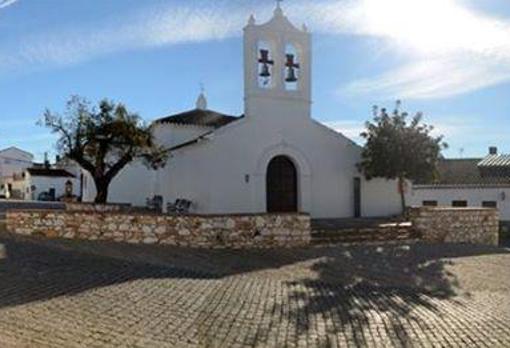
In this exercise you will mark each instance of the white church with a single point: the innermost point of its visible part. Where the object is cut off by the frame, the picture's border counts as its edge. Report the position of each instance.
(273, 158)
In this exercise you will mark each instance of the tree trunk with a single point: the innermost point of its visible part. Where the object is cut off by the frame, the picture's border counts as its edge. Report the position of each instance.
(401, 190)
(102, 191)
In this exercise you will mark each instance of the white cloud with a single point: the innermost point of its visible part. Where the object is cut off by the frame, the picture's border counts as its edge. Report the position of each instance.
(435, 78)
(447, 48)
(5, 3)
(149, 28)
(462, 128)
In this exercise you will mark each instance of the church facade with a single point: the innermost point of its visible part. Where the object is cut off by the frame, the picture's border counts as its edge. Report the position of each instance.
(273, 158)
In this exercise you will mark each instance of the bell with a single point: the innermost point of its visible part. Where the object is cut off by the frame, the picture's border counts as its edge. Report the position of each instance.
(264, 56)
(290, 60)
(265, 71)
(291, 75)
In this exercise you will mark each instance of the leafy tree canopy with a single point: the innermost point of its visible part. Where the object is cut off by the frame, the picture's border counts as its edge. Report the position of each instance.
(103, 140)
(400, 148)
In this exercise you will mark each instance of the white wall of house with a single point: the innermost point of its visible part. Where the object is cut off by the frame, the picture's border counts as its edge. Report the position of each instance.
(89, 189)
(474, 196)
(17, 188)
(213, 173)
(133, 185)
(45, 183)
(14, 160)
(170, 135)
(42, 184)
(380, 198)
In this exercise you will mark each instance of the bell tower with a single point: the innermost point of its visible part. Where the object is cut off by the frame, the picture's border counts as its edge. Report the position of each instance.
(277, 68)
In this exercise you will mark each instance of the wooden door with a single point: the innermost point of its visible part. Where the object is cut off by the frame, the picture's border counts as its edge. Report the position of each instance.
(281, 185)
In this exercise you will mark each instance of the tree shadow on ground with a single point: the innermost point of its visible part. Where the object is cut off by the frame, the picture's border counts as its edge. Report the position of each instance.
(347, 288)
(30, 272)
(373, 291)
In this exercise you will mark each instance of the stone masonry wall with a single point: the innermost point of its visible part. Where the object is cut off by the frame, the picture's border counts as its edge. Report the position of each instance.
(222, 231)
(93, 207)
(456, 225)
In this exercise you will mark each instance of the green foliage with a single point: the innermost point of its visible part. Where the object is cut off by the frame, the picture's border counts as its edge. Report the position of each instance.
(103, 140)
(398, 148)
(504, 231)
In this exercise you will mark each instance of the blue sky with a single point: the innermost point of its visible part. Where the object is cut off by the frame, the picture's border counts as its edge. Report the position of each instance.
(447, 58)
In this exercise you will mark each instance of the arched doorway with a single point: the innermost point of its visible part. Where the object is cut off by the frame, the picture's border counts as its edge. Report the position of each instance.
(281, 185)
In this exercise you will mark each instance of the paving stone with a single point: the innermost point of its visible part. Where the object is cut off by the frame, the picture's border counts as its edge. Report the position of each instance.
(58, 294)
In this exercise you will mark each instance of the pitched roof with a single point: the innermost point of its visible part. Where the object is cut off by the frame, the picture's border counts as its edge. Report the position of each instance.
(199, 117)
(495, 166)
(15, 148)
(463, 172)
(495, 161)
(50, 172)
(190, 142)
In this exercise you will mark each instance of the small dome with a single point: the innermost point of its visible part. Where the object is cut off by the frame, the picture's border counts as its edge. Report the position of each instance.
(201, 102)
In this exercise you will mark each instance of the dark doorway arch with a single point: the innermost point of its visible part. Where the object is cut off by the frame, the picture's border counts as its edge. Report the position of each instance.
(281, 185)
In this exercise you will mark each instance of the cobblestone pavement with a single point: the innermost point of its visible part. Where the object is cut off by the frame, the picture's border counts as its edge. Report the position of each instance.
(69, 294)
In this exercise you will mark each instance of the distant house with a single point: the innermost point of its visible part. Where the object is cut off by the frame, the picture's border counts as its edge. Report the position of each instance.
(470, 182)
(12, 160)
(42, 183)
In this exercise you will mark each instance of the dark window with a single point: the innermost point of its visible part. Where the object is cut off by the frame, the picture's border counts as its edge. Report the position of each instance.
(357, 197)
(489, 204)
(52, 193)
(429, 203)
(459, 204)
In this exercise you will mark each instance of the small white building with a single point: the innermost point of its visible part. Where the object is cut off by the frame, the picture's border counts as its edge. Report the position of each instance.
(468, 182)
(42, 183)
(12, 160)
(273, 158)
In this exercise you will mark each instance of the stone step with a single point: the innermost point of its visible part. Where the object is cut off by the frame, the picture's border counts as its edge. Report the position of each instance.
(348, 233)
(359, 240)
(364, 242)
(361, 235)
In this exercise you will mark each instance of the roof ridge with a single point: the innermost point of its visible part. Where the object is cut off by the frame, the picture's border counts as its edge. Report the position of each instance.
(200, 117)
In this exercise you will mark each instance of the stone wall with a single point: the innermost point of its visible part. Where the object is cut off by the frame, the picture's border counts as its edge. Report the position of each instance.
(456, 225)
(93, 207)
(221, 231)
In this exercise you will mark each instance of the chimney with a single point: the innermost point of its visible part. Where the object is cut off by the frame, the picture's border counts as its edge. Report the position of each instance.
(46, 161)
(493, 150)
